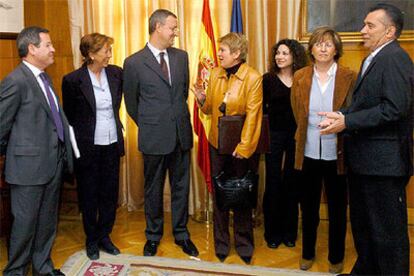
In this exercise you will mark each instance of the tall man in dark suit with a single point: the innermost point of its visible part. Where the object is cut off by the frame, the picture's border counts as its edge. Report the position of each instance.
(379, 146)
(34, 136)
(156, 82)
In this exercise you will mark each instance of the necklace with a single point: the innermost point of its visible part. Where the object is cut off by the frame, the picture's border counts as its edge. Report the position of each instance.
(286, 80)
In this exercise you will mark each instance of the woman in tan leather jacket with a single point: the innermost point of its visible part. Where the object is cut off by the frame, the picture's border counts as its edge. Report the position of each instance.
(234, 88)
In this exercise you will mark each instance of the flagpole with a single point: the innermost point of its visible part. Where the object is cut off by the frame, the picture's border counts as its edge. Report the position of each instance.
(202, 122)
(208, 205)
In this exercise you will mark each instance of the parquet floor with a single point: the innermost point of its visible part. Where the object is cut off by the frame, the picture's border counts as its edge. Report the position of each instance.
(128, 235)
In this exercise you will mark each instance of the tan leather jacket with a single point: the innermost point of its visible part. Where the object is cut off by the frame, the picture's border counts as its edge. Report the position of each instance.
(300, 98)
(245, 97)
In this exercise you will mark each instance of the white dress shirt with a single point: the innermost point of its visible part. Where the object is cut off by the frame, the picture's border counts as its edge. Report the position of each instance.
(331, 77)
(156, 54)
(371, 57)
(105, 129)
(36, 72)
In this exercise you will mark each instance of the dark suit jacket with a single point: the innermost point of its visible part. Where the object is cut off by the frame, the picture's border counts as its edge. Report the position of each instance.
(300, 97)
(379, 121)
(28, 134)
(159, 109)
(80, 106)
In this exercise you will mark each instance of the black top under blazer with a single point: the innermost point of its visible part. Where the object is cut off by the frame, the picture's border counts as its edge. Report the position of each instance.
(379, 121)
(276, 103)
(80, 106)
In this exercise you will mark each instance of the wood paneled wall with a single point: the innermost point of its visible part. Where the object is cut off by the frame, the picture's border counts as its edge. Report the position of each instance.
(354, 53)
(8, 56)
(53, 15)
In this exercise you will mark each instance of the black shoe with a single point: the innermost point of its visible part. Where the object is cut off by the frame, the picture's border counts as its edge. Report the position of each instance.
(55, 272)
(107, 246)
(273, 244)
(92, 251)
(150, 248)
(188, 247)
(221, 257)
(289, 243)
(246, 259)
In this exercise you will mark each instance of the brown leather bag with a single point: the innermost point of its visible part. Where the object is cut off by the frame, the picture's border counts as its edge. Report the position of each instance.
(229, 133)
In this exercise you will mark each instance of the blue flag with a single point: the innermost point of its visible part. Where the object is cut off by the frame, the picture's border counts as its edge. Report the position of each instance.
(236, 18)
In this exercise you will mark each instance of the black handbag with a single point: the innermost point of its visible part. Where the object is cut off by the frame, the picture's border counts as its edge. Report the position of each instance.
(235, 193)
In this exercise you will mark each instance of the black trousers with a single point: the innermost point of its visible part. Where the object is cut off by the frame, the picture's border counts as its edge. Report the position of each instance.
(314, 173)
(97, 175)
(378, 211)
(155, 168)
(281, 196)
(242, 219)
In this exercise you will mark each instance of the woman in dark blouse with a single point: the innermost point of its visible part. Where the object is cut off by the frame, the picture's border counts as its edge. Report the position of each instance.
(280, 202)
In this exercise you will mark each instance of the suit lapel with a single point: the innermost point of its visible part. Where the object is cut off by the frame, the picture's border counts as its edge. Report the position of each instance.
(60, 109)
(153, 64)
(86, 88)
(173, 63)
(359, 74)
(37, 90)
(305, 85)
(362, 77)
(372, 64)
(112, 82)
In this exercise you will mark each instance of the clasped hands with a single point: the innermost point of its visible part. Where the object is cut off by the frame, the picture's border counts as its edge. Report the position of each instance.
(334, 122)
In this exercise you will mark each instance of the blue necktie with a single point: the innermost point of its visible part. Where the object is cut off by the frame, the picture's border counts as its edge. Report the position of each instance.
(55, 112)
(366, 64)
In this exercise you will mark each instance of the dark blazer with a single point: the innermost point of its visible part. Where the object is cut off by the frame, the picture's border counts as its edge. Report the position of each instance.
(159, 109)
(80, 106)
(300, 97)
(379, 122)
(28, 135)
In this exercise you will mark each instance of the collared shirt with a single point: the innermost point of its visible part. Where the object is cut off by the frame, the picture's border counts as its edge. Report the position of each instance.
(331, 76)
(371, 56)
(156, 54)
(105, 129)
(320, 146)
(36, 72)
(376, 51)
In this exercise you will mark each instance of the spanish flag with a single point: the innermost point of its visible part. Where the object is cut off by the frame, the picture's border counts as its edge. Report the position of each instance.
(207, 61)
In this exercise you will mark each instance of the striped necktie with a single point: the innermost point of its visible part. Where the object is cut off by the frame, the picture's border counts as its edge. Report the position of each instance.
(164, 66)
(53, 107)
